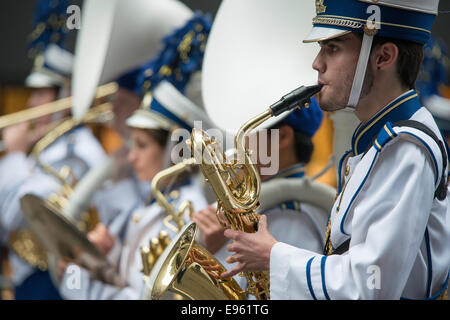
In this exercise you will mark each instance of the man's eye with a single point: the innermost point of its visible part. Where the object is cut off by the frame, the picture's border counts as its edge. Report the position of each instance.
(139, 144)
(332, 48)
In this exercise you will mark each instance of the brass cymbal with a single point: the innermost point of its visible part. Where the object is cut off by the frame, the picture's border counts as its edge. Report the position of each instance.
(61, 237)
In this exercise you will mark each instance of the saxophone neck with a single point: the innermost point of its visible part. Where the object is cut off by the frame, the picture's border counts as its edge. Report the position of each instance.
(298, 98)
(246, 129)
(156, 186)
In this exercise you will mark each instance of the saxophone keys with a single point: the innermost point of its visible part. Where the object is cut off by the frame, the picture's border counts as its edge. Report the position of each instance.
(164, 239)
(145, 255)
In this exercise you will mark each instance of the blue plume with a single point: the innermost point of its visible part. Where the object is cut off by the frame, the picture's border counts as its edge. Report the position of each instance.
(49, 25)
(181, 56)
(433, 72)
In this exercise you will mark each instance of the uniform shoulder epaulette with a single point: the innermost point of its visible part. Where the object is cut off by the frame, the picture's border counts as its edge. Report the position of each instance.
(387, 133)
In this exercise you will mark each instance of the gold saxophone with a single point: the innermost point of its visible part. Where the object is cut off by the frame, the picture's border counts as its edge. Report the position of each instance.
(236, 183)
(185, 266)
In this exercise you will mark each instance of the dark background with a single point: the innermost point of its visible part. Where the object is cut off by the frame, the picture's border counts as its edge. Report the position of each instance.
(16, 24)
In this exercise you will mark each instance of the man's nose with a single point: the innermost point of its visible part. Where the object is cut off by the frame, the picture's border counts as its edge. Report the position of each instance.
(131, 157)
(318, 63)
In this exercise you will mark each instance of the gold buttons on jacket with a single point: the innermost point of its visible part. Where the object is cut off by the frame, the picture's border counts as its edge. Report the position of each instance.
(347, 170)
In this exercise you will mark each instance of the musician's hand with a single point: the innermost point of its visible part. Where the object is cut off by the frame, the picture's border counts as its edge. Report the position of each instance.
(211, 231)
(61, 266)
(252, 250)
(101, 237)
(20, 138)
(15, 138)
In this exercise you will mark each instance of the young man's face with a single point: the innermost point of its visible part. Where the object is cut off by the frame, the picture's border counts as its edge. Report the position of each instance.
(336, 65)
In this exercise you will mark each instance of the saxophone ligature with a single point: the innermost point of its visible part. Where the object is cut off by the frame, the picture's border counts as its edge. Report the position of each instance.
(236, 184)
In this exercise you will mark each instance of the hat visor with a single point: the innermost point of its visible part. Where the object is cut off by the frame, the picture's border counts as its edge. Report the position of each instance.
(324, 33)
(142, 119)
(42, 80)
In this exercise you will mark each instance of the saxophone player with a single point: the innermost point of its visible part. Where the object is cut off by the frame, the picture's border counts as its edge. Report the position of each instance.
(388, 231)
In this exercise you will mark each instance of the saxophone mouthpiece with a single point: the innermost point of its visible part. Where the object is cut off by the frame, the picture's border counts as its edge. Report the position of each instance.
(297, 98)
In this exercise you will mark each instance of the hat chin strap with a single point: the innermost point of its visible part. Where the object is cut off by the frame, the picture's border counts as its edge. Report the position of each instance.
(360, 73)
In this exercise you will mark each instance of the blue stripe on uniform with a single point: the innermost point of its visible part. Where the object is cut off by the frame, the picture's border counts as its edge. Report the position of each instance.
(308, 278)
(356, 193)
(430, 267)
(322, 273)
(431, 153)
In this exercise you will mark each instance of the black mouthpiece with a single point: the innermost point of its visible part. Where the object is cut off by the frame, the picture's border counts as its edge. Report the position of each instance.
(298, 97)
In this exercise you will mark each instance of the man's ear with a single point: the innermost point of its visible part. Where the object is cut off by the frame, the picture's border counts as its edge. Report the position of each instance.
(286, 136)
(386, 56)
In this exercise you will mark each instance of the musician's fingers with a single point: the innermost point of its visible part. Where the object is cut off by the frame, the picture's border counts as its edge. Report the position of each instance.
(233, 272)
(234, 258)
(233, 234)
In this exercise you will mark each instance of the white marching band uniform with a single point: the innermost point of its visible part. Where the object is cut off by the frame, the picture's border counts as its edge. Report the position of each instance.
(389, 227)
(146, 222)
(299, 224)
(295, 222)
(19, 176)
(116, 201)
(383, 224)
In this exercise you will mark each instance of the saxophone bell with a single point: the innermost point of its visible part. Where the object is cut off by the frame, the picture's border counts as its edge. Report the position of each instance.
(187, 269)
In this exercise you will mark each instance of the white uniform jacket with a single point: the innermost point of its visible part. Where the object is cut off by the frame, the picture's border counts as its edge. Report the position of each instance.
(298, 224)
(399, 231)
(144, 224)
(19, 175)
(116, 202)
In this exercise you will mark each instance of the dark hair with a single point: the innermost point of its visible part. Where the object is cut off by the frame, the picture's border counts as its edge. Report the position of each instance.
(303, 145)
(58, 90)
(159, 135)
(410, 57)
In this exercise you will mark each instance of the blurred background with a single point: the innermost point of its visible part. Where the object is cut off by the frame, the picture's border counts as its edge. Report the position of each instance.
(16, 24)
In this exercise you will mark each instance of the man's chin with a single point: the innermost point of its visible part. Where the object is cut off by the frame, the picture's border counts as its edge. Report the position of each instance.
(329, 104)
(330, 107)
